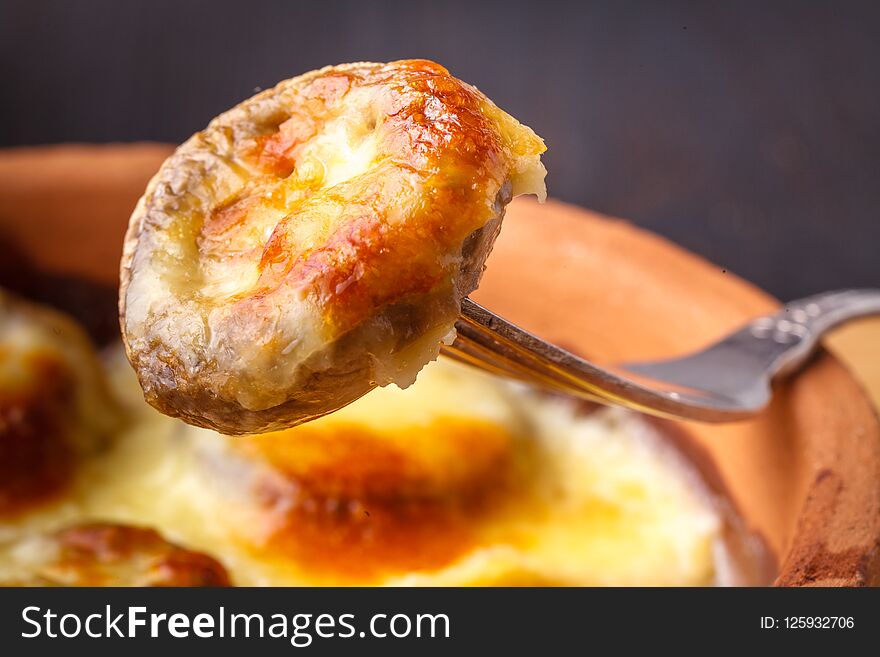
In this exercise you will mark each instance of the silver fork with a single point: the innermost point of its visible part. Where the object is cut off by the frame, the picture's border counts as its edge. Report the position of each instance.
(728, 380)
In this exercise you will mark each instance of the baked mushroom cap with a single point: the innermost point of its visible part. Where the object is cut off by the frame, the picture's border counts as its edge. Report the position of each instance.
(55, 407)
(316, 241)
(107, 554)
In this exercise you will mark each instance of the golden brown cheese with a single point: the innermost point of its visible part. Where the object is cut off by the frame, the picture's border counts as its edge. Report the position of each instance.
(347, 501)
(316, 241)
(459, 479)
(54, 406)
(103, 554)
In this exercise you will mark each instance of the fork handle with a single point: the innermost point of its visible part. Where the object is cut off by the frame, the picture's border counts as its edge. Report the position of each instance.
(793, 333)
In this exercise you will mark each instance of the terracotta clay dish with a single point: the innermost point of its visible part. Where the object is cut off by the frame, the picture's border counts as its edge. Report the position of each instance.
(805, 475)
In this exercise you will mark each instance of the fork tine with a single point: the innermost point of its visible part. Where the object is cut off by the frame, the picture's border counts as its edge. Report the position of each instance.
(509, 360)
(557, 368)
(473, 353)
(478, 344)
(469, 353)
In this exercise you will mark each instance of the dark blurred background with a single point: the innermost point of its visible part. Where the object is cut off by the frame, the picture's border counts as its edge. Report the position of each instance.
(746, 131)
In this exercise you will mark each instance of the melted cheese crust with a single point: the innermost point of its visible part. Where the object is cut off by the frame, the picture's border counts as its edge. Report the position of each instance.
(316, 241)
(461, 479)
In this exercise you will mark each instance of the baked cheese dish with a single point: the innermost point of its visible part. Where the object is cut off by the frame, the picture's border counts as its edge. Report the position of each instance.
(316, 241)
(460, 479)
